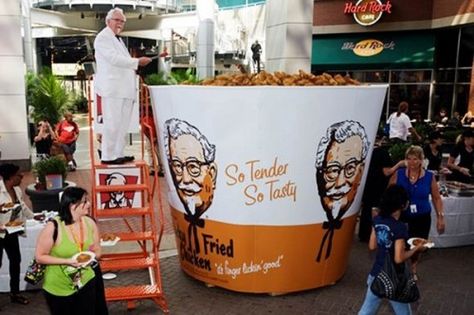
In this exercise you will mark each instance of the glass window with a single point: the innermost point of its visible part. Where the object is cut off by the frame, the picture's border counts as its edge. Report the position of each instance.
(462, 94)
(466, 47)
(464, 75)
(442, 97)
(444, 75)
(446, 42)
(417, 96)
(371, 76)
(416, 76)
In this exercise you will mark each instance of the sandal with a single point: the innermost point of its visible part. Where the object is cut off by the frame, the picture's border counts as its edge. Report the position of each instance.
(19, 299)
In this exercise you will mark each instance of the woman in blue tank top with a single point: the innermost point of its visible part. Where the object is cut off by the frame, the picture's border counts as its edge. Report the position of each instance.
(419, 184)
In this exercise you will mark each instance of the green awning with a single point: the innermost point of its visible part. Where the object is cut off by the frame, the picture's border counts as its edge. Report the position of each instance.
(373, 51)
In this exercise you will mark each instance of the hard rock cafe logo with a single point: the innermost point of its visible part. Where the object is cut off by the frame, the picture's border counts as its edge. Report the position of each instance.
(367, 12)
(368, 47)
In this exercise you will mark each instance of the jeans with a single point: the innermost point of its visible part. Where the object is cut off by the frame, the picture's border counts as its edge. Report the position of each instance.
(372, 303)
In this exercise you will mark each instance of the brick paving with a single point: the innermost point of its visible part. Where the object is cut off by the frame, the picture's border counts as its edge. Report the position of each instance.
(446, 285)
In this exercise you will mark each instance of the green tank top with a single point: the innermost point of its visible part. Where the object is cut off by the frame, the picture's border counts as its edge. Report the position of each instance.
(58, 278)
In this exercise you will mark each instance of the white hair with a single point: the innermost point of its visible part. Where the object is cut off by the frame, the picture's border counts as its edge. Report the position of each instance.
(110, 14)
(175, 128)
(113, 177)
(339, 132)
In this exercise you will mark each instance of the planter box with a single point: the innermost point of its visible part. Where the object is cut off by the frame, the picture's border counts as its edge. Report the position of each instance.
(45, 199)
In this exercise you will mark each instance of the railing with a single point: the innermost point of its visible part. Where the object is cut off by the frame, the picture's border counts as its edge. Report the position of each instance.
(135, 3)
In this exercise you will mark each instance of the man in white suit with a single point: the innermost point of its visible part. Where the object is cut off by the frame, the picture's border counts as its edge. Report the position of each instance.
(115, 83)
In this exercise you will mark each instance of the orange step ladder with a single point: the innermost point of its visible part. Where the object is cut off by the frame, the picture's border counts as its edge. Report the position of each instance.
(132, 220)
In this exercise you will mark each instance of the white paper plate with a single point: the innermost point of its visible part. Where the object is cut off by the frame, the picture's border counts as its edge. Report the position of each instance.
(413, 239)
(14, 229)
(109, 276)
(86, 262)
(110, 243)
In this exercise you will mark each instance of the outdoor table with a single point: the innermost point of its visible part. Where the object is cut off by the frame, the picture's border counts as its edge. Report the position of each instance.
(459, 219)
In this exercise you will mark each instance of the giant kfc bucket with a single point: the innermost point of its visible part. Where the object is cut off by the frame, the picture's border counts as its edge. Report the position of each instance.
(265, 183)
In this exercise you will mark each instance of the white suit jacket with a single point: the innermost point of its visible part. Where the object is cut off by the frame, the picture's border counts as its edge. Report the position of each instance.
(115, 75)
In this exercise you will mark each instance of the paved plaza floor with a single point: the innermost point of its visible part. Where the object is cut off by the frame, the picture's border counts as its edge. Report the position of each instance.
(446, 280)
(446, 285)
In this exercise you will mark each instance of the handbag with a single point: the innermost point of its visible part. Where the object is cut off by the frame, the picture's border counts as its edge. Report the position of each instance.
(393, 284)
(35, 271)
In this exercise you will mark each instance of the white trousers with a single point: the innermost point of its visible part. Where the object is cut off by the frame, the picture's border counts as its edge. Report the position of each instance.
(117, 113)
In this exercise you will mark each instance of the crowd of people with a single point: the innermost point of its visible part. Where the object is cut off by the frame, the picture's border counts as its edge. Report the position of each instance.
(59, 141)
(400, 196)
(395, 205)
(68, 286)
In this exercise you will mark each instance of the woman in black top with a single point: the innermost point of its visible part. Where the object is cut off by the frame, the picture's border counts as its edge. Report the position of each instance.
(432, 151)
(44, 139)
(464, 149)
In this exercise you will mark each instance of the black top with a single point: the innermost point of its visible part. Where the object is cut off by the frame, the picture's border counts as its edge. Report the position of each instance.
(43, 146)
(466, 161)
(387, 231)
(434, 160)
(376, 180)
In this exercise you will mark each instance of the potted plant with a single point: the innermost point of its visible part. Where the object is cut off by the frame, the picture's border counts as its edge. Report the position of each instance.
(47, 96)
(51, 173)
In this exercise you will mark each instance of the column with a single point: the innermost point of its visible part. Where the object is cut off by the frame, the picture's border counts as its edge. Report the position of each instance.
(470, 106)
(288, 35)
(14, 144)
(28, 41)
(205, 39)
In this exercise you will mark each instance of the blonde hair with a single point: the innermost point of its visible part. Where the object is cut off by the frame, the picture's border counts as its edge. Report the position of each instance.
(415, 150)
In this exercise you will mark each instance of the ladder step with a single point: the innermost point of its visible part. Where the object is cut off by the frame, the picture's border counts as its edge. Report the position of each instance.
(136, 163)
(122, 212)
(112, 188)
(135, 236)
(132, 292)
(134, 263)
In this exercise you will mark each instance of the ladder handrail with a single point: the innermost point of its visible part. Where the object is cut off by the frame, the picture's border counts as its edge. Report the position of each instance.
(147, 215)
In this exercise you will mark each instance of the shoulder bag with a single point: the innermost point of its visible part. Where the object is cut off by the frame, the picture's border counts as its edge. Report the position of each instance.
(35, 271)
(395, 285)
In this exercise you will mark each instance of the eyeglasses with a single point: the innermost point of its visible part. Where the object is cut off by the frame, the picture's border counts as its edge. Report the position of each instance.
(331, 172)
(193, 167)
(118, 20)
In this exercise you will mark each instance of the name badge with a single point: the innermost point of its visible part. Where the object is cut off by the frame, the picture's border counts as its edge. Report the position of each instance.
(413, 209)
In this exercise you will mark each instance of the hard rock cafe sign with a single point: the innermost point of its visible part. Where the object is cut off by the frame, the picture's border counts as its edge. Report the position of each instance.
(367, 12)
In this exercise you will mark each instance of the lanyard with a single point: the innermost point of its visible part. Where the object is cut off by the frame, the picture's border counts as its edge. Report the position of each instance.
(80, 243)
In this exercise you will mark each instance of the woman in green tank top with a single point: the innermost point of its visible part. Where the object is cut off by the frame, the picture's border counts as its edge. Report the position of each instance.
(69, 285)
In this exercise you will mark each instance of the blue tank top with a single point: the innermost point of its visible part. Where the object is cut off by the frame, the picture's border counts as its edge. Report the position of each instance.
(419, 192)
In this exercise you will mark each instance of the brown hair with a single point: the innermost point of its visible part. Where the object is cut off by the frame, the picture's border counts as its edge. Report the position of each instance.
(402, 108)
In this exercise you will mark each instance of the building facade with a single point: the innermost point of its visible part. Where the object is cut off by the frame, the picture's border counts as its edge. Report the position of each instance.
(423, 49)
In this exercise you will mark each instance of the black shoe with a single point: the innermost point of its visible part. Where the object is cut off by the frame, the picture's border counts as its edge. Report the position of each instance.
(18, 299)
(161, 174)
(129, 158)
(114, 162)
